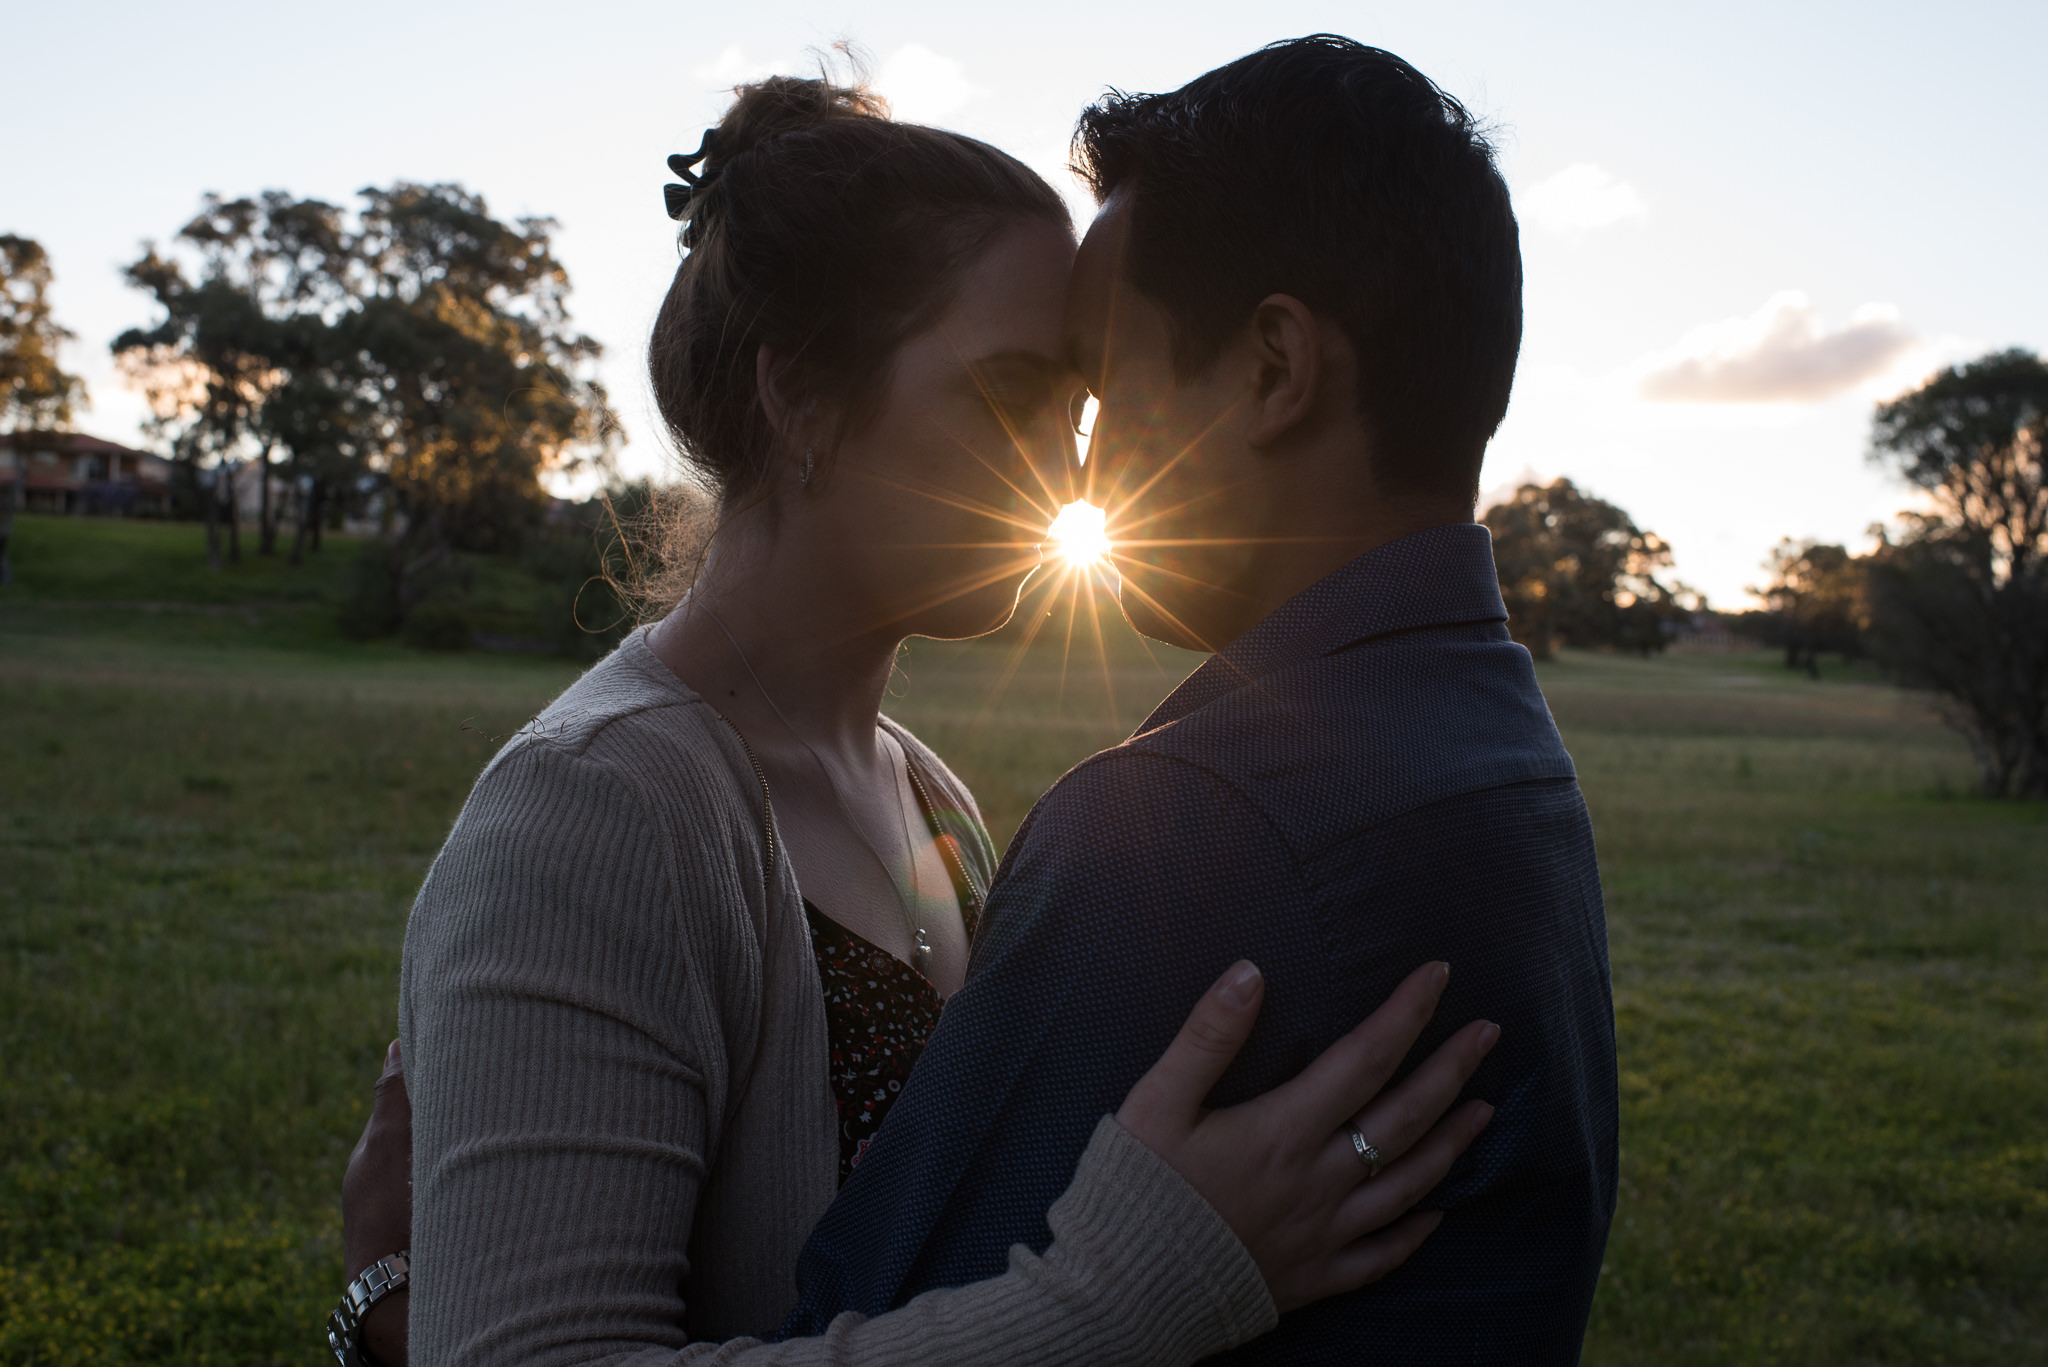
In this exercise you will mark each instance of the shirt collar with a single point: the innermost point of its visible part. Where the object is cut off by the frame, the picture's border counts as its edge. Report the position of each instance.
(1438, 577)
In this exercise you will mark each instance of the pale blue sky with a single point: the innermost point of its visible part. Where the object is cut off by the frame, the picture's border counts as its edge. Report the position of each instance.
(1859, 185)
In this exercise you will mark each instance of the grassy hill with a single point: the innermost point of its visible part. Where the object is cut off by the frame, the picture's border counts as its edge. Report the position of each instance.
(1830, 962)
(147, 581)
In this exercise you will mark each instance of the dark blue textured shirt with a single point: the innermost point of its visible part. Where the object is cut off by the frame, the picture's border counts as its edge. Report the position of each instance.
(1366, 780)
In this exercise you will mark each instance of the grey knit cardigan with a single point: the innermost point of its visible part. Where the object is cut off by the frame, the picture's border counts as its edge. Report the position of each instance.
(615, 1043)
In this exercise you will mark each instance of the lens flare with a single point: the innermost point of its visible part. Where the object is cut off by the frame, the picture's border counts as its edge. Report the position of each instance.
(1079, 535)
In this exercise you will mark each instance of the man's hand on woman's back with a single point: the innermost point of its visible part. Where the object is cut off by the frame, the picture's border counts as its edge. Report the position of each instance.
(376, 1206)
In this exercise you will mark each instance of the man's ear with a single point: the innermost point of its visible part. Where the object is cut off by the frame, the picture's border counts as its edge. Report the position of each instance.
(1289, 348)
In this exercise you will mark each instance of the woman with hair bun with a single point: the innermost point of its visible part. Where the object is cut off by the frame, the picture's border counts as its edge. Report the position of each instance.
(696, 920)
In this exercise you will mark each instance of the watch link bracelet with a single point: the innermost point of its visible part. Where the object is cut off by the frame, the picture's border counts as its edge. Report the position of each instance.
(373, 1284)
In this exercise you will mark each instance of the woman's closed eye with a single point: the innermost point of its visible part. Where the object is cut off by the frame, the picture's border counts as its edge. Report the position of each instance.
(1026, 404)
(1026, 392)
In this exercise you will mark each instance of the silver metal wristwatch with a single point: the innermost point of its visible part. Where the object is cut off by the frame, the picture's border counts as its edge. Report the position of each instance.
(373, 1284)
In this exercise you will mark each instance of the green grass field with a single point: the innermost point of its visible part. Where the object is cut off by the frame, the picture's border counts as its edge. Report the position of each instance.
(1831, 962)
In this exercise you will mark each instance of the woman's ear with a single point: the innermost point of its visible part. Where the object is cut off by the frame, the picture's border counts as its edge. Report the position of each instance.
(1289, 347)
(783, 402)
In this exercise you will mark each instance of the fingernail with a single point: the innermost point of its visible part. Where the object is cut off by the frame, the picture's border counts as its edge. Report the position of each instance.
(1485, 1115)
(391, 1054)
(1488, 1036)
(1240, 983)
(1443, 976)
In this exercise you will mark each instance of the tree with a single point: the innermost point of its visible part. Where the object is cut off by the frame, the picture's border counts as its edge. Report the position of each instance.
(1960, 603)
(484, 382)
(316, 415)
(1971, 437)
(293, 259)
(1816, 602)
(1576, 569)
(35, 391)
(481, 384)
(424, 345)
(271, 274)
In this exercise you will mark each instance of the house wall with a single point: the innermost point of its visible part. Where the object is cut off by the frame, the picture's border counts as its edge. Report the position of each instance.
(36, 474)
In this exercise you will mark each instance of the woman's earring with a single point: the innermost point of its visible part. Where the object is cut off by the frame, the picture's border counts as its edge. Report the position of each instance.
(810, 459)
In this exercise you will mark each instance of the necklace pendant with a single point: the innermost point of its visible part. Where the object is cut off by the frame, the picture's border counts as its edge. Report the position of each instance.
(921, 953)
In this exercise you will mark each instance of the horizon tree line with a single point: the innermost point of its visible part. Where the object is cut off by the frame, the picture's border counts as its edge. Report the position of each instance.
(420, 348)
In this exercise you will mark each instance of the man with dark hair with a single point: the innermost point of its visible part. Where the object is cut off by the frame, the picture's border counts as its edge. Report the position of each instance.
(1300, 307)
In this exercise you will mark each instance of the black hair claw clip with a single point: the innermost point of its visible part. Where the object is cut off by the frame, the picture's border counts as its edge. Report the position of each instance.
(677, 197)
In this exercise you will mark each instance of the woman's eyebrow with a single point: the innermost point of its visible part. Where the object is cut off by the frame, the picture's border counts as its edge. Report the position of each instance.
(1037, 362)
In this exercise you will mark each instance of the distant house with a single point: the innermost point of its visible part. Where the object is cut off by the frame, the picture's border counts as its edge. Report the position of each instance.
(69, 472)
(1704, 633)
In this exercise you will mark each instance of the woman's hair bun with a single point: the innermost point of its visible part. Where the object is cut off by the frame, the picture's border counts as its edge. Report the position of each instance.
(779, 105)
(828, 234)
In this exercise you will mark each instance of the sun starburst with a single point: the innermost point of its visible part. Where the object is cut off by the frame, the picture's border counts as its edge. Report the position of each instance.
(1079, 536)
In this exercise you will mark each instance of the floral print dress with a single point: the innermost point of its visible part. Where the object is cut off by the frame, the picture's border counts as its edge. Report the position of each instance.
(879, 1011)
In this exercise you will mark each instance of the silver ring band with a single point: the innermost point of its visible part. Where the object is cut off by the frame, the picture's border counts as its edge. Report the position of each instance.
(1367, 1154)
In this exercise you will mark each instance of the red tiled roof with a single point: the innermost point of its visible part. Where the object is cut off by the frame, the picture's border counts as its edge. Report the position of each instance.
(70, 444)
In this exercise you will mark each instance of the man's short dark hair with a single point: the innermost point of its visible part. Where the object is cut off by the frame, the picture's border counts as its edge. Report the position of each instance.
(1341, 175)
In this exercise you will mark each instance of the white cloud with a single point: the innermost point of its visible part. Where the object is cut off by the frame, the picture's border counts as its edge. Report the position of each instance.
(1783, 353)
(1580, 198)
(731, 67)
(923, 85)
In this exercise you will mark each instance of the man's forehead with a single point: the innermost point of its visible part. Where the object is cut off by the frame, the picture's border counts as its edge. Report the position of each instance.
(1096, 281)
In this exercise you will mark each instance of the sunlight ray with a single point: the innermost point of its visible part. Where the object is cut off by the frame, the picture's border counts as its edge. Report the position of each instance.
(1051, 494)
(1016, 441)
(967, 505)
(1052, 498)
(1118, 510)
(1145, 568)
(1155, 514)
(1020, 565)
(1101, 650)
(1053, 584)
(973, 585)
(1167, 614)
(1067, 648)
(1236, 541)
(1150, 653)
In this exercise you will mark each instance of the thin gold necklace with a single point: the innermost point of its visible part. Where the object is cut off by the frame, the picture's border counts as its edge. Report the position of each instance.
(920, 940)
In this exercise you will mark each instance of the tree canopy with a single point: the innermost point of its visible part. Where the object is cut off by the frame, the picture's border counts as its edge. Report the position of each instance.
(478, 380)
(419, 346)
(1972, 438)
(1959, 603)
(35, 391)
(1576, 569)
(1816, 601)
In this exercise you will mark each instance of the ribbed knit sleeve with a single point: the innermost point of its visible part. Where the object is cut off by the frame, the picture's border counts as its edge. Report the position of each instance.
(573, 996)
(1141, 1272)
